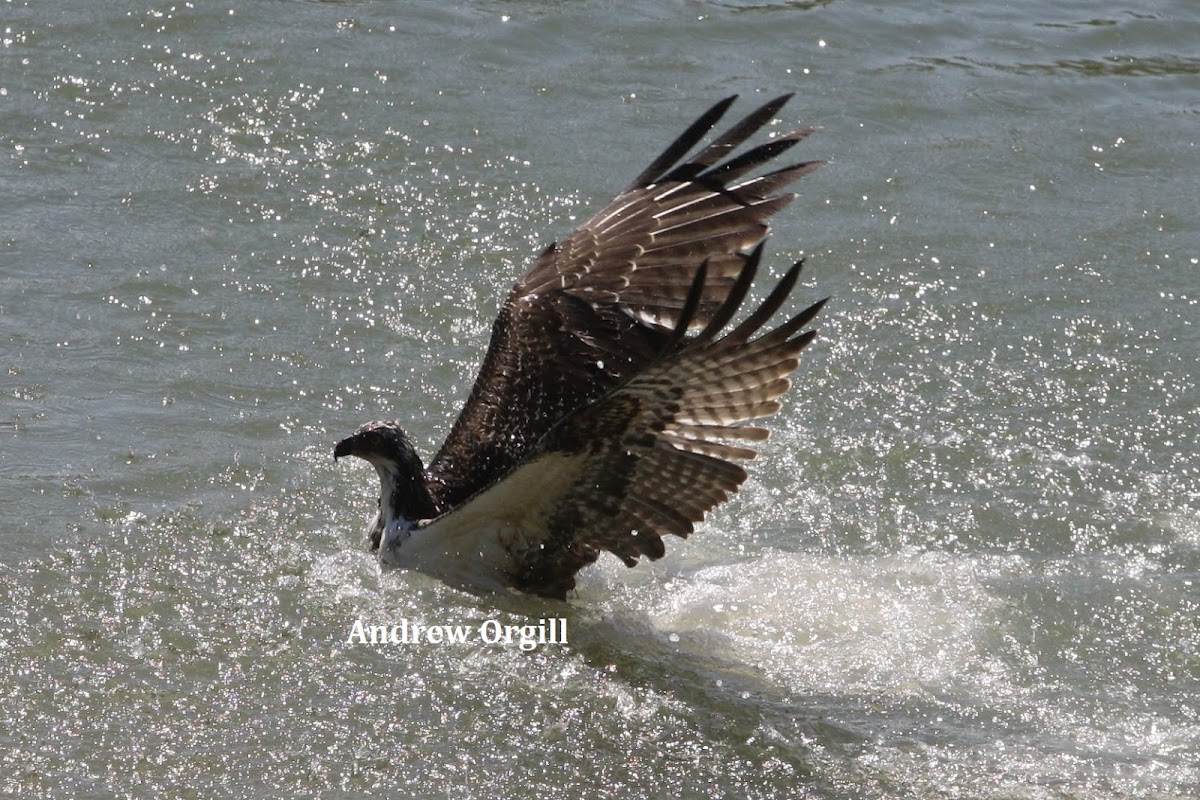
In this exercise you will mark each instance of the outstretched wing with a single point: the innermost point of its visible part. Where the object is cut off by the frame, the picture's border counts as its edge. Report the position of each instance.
(651, 457)
(595, 309)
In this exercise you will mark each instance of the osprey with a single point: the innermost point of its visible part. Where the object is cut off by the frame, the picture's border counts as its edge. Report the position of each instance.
(609, 408)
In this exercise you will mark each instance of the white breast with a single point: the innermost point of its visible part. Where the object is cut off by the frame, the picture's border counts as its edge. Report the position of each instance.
(474, 557)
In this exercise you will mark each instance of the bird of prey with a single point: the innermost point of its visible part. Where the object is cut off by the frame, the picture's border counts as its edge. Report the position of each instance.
(611, 405)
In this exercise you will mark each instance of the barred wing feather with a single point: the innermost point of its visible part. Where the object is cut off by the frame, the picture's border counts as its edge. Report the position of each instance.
(653, 456)
(594, 309)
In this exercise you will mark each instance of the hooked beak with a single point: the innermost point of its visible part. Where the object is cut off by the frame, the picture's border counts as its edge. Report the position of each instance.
(344, 448)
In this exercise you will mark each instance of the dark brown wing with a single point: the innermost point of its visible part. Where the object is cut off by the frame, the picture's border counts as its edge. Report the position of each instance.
(597, 308)
(649, 458)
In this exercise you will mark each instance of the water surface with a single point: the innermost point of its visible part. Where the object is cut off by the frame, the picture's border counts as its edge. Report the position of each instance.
(966, 564)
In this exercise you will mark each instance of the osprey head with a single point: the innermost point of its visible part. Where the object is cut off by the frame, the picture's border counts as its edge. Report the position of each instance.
(382, 443)
(403, 494)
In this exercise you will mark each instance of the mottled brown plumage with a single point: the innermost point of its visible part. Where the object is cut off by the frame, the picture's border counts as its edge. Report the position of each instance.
(606, 365)
(608, 292)
(661, 450)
